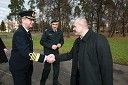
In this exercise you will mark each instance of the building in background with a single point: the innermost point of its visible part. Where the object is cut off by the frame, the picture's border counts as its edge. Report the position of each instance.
(10, 26)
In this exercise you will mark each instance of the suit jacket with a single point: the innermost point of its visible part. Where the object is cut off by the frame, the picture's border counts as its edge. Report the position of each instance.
(22, 45)
(92, 56)
(3, 57)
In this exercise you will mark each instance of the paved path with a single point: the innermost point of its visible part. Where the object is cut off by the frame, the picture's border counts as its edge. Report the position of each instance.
(120, 73)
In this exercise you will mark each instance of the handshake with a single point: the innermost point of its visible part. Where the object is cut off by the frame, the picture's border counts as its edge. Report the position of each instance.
(41, 58)
(50, 58)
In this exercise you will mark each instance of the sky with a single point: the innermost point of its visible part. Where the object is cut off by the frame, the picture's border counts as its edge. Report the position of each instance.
(4, 10)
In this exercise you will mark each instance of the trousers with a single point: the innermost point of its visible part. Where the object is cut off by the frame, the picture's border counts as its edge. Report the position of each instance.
(46, 71)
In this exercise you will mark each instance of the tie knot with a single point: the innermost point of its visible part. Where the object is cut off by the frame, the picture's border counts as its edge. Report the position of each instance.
(29, 32)
(55, 30)
(81, 37)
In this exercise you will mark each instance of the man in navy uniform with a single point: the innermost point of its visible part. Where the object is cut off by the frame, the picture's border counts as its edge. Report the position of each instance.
(52, 40)
(21, 60)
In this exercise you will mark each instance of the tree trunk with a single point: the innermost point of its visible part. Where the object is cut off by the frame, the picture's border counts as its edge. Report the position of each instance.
(123, 28)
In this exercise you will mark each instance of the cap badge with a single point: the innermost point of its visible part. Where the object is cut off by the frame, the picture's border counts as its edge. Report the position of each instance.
(33, 14)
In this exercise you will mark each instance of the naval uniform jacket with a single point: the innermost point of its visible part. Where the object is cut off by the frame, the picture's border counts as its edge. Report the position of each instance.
(3, 57)
(92, 56)
(50, 38)
(22, 45)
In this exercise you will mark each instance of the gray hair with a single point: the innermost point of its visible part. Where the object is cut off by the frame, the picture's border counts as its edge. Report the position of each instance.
(82, 21)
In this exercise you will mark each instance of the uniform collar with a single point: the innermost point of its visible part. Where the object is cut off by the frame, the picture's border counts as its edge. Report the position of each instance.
(53, 30)
(25, 29)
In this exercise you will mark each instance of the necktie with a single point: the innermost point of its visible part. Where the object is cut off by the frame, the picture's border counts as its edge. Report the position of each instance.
(55, 31)
(31, 42)
(29, 34)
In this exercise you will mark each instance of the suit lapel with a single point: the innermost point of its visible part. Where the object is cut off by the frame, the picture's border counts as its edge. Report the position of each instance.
(25, 32)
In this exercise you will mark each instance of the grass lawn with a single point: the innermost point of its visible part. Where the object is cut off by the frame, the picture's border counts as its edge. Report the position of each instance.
(118, 45)
(119, 49)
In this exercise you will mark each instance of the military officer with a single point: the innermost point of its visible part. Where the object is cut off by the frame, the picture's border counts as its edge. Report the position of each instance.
(20, 63)
(52, 39)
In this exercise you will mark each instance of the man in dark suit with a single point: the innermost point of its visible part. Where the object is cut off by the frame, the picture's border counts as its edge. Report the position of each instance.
(91, 57)
(52, 40)
(21, 60)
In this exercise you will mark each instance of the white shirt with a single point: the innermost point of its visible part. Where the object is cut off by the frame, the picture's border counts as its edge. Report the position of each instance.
(26, 29)
(81, 36)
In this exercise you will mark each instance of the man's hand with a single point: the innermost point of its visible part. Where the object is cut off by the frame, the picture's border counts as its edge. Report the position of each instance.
(50, 58)
(54, 47)
(58, 45)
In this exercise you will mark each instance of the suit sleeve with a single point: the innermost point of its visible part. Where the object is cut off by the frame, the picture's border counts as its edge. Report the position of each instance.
(64, 57)
(44, 41)
(105, 60)
(67, 56)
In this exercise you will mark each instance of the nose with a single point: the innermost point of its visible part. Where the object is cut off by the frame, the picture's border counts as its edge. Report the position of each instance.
(32, 21)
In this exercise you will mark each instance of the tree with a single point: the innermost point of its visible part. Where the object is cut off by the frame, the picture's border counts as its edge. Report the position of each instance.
(16, 6)
(48, 9)
(116, 11)
(93, 10)
(77, 11)
(3, 27)
(124, 15)
(40, 5)
(31, 3)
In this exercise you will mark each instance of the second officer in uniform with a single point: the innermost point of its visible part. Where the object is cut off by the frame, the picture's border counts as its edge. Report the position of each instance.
(52, 39)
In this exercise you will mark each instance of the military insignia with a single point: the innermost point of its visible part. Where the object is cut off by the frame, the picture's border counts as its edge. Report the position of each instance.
(33, 14)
